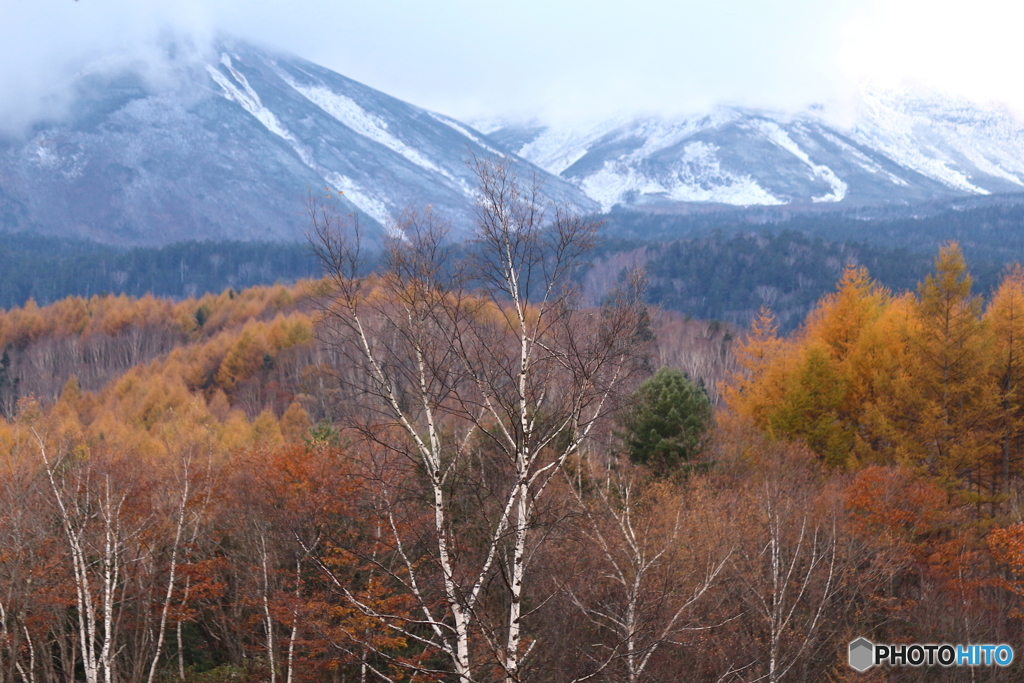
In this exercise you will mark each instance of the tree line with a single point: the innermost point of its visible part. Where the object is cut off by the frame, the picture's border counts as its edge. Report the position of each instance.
(730, 279)
(988, 228)
(720, 275)
(47, 269)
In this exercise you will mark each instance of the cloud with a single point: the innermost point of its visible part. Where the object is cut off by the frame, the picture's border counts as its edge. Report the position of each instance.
(572, 59)
(967, 49)
(461, 57)
(46, 45)
(588, 59)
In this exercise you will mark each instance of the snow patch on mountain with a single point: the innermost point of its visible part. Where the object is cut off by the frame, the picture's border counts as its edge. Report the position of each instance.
(701, 178)
(992, 168)
(249, 99)
(556, 149)
(46, 153)
(345, 110)
(349, 113)
(659, 134)
(463, 130)
(200, 154)
(863, 160)
(142, 165)
(909, 139)
(903, 146)
(372, 206)
(777, 136)
(697, 177)
(951, 128)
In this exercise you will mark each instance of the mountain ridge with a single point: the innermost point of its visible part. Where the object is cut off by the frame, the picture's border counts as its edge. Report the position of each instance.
(235, 156)
(904, 147)
(244, 134)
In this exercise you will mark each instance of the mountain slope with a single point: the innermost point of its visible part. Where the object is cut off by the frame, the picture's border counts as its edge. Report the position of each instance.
(904, 148)
(229, 147)
(228, 144)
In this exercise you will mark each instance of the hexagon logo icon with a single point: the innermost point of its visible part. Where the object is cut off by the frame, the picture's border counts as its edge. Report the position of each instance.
(862, 654)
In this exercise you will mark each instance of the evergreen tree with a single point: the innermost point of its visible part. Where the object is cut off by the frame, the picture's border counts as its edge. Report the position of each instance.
(667, 423)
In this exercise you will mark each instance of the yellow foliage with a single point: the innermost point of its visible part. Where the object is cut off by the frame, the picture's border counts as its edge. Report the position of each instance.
(218, 405)
(811, 404)
(246, 357)
(765, 362)
(19, 326)
(949, 402)
(294, 423)
(180, 402)
(71, 393)
(266, 432)
(1005, 316)
(839, 319)
(235, 433)
(925, 380)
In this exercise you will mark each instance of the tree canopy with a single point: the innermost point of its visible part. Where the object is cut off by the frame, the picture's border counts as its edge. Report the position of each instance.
(668, 421)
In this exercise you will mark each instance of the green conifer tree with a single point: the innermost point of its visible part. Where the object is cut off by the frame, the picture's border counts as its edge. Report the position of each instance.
(667, 423)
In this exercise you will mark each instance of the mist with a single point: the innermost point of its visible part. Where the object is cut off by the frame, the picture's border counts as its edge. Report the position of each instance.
(571, 61)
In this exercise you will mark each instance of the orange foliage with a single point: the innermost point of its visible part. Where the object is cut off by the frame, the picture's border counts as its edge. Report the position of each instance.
(110, 315)
(281, 527)
(893, 505)
(906, 379)
(1007, 548)
(236, 348)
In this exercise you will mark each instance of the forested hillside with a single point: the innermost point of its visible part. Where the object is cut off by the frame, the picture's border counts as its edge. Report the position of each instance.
(235, 487)
(730, 277)
(47, 269)
(987, 228)
(724, 277)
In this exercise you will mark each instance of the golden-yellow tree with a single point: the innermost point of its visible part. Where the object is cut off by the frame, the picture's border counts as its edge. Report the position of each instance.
(945, 405)
(1005, 316)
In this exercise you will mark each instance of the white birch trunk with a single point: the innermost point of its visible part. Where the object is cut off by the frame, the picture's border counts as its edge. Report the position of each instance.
(295, 621)
(178, 527)
(438, 365)
(268, 621)
(87, 621)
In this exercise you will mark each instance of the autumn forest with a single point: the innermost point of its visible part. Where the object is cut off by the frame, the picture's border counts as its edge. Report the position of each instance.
(450, 467)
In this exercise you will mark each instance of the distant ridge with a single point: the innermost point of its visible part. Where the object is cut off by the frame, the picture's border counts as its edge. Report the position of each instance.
(231, 152)
(904, 147)
(232, 142)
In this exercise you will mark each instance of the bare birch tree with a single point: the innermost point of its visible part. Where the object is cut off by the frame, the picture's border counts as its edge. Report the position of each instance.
(653, 566)
(788, 569)
(185, 509)
(479, 368)
(91, 512)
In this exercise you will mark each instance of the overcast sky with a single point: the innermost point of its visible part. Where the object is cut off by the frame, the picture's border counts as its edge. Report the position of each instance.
(555, 58)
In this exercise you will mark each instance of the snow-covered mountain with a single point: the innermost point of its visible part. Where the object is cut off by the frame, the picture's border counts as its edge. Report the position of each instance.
(228, 145)
(903, 147)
